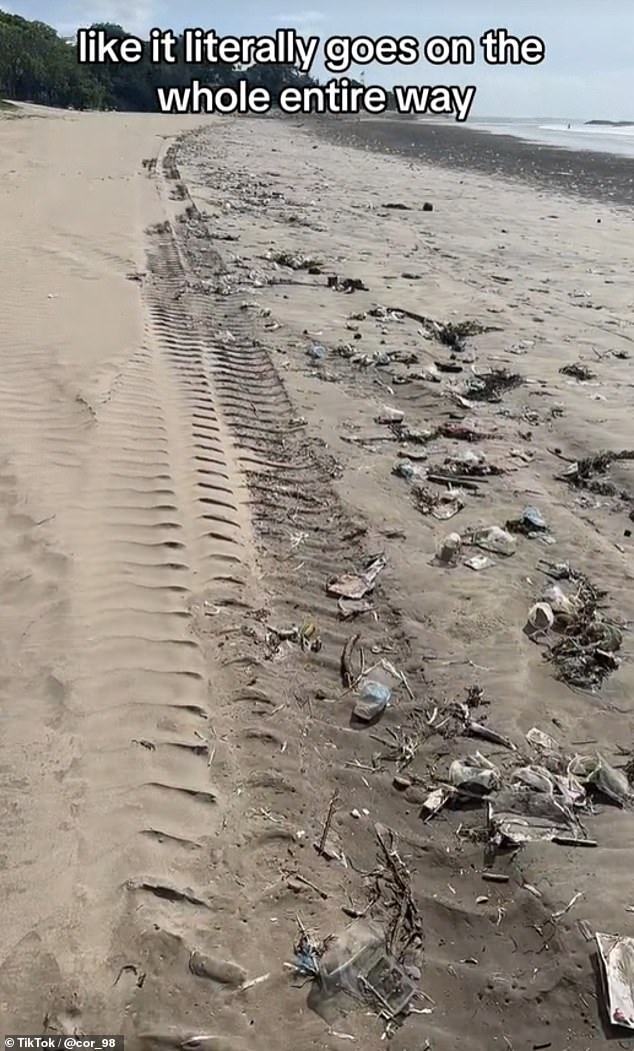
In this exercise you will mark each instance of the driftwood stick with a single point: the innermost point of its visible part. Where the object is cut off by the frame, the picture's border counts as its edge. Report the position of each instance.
(328, 822)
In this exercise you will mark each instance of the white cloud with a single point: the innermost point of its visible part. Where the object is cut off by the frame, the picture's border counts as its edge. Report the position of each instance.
(299, 17)
(136, 16)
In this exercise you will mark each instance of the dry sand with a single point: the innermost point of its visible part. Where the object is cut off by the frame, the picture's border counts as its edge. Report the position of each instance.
(165, 773)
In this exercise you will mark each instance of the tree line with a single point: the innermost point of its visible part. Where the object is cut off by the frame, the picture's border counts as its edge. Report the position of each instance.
(38, 65)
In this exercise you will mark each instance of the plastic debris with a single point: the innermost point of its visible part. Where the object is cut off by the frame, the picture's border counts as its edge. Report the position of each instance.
(495, 539)
(436, 800)
(352, 607)
(531, 523)
(389, 415)
(471, 464)
(374, 699)
(440, 506)
(596, 771)
(357, 963)
(450, 549)
(317, 351)
(475, 775)
(479, 562)
(542, 741)
(520, 815)
(540, 617)
(559, 602)
(305, 635)
(617, 958)
(568, 789)
(407, 470)
(308, 952)
(357, 585)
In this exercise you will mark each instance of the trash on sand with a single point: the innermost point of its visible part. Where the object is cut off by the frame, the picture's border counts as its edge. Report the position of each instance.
(439, 505)
(357, 585)
(567, 789)
(493, 538)
(560, 603)
(449, 366)
(557, 570)
(489, 386)
(479, 562)
(455, 334)
(520, 815)
(347, 284)
(436, 800)
(295, 261)
(450, 548)
(540, 617)
(358, 963)
(578, 370)
(596, 771)
(374, 699)
(531, 523)
(451, 479)
(617, 957)
(585, 651)
(522, 347)
(462, 432)
(406, 469)
(352, 607)
(582, 473)
(475, 775)
(317, 351)
(415, 435)
(389, 415)
(305, 635)
(543, 741)
(470, 463)
(308, 952)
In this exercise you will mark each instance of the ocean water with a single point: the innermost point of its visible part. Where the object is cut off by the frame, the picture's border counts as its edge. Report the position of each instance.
(571, 135)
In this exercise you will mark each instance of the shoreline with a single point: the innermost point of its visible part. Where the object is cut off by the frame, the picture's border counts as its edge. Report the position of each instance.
(605, 178)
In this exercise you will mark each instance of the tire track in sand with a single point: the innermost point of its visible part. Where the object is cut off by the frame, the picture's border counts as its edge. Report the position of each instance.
(159, 528)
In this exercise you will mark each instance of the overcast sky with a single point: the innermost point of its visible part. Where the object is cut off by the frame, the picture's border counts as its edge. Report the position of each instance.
(588, 71)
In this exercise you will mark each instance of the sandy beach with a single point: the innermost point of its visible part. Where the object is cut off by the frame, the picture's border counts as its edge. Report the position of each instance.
(236, 373)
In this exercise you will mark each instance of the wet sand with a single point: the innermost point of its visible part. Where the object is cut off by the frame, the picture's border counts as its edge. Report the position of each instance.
(604, 178)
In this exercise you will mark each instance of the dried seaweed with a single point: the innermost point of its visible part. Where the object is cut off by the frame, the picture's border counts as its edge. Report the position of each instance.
(454, 335)
(489, 386)
(461, 467)
(296, 261)
(578, 370)
(585, 651)
(405, 929)
(582, 474)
